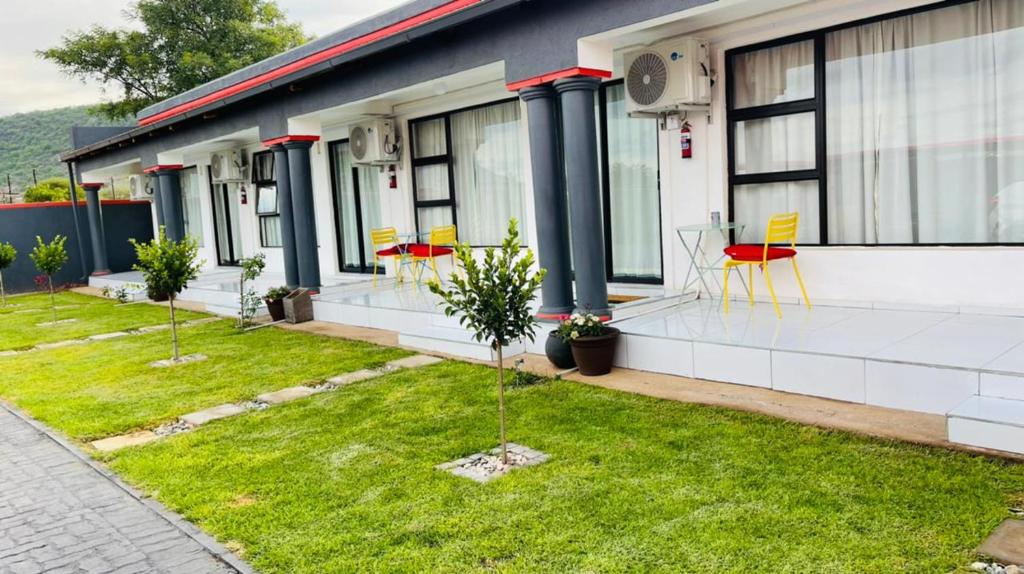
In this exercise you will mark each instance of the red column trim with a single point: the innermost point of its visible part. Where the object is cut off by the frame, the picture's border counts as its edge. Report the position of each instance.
(92, 185)
(552, 76)
(286, 139)
(162, 167)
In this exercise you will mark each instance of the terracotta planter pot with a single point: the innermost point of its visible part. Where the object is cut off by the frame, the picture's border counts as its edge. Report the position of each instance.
(594, 354)
(276, 308)
(559, 352)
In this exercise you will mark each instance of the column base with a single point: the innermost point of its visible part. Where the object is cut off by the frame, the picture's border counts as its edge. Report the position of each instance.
(553, 314)
(100, 273)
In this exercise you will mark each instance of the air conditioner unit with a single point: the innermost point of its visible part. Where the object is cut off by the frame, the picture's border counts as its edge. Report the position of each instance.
(139, 188)
(374, 142)
(228, 166)
(674, 75)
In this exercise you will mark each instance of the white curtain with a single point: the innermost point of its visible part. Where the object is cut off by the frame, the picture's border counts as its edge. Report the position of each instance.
(346, 202)
(633, 190)
(190, 206)
(488, 172)
(774, 75)
(926, 128)
(755, 203)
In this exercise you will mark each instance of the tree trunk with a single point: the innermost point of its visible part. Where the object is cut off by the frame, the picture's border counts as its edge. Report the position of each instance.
(3, 294)
(53, 304)
(241, 301)
(501, 403)
(174, 329)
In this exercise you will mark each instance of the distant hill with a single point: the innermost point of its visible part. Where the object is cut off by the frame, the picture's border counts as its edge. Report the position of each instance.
(34, 139)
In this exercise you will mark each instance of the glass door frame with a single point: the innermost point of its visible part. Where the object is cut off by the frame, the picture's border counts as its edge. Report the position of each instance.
(364, 265)
(225, 197)
(606, 197)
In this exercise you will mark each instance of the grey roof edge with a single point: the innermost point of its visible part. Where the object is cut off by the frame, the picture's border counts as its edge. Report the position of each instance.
(417, 6)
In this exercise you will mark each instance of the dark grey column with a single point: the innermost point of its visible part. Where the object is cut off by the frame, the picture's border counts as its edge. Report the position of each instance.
(306, 250)
(170, 199)
(158, 205)
(96, 232)
(579, 136)
(284, 206)
(550, 209)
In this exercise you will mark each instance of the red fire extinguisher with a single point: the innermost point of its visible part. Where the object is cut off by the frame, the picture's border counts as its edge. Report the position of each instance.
(685, 142)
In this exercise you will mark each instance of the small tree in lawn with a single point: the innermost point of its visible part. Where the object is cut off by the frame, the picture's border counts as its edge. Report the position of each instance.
(7, 255)
(493, 301)
(248, 299)
(168, 266)
(49, 258)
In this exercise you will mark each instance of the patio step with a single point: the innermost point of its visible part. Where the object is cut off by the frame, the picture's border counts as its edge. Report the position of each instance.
(988, 422)
(453, 341)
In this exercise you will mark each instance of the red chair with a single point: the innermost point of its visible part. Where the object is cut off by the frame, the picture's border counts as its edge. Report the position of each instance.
(781, 228)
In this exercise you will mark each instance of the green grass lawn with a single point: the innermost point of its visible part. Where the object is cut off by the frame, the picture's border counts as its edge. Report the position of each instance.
(106, 388)
(345, 482)
(23, 321)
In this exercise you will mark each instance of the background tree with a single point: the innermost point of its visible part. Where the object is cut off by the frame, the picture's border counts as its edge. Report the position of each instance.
(167, 267)
(7, 255)
(493, 301)
(49, 258)
(175, 45)
(50, 189)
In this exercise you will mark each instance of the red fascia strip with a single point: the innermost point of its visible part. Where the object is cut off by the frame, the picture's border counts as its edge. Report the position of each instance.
(163, 167)
(313, 59)
(286, 139)
(552, 76)
(68, 203)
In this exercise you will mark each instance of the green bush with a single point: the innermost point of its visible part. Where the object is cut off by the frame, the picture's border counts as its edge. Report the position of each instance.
(167, 267)
(50, 189)
(49, 258)
(7, 255)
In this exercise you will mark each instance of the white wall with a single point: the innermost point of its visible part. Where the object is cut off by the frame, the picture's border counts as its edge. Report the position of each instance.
(982, 277)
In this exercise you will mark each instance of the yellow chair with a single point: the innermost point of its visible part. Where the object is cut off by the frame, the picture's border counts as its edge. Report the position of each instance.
(386, 246)
(441, 243)
(782, 228)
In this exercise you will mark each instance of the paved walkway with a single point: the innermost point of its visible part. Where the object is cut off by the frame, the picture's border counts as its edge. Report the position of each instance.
(61, 513)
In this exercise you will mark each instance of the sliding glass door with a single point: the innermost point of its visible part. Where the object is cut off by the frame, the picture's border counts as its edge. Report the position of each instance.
(225, 223)
(356, 191)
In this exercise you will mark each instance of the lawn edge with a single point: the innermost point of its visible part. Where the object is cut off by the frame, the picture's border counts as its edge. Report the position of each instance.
(216, 549)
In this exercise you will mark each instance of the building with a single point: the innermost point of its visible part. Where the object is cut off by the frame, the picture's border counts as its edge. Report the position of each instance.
(891, 126)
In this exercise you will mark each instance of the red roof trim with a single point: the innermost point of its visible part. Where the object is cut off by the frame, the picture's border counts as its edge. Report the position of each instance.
(163, 167)
(286, 139)
(313, 59)
(552, 76)
(68, 203)
(91, 184)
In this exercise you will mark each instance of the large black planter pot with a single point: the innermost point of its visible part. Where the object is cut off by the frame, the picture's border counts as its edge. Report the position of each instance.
(594, 355)
(559, 352)
(276, 309)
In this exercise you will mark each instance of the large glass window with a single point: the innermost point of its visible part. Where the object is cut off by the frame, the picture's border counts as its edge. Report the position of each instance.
(919, 133)
(264, 178)
(467, 169)
(357, 209)
(190, 204)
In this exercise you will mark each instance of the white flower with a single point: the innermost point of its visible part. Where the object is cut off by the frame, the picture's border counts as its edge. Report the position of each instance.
(581, 321)
(574, 334)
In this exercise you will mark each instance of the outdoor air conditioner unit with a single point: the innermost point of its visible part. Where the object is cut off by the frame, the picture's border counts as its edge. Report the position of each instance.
(374, 142)
(139, 188)
(228, 166)
(674, 75)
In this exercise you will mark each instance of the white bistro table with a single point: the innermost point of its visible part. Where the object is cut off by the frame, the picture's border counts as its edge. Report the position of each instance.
(694, 239)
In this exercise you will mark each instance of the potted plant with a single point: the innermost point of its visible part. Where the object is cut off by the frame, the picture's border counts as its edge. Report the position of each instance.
(558, 351)
(593, 343)
(274, 299)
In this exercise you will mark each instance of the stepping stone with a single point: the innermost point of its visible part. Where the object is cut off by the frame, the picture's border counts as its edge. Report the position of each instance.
(124, 441)
(153, 328)
(286, 395)
(8, 353)
(60, 344)
(202, 417)
(349, 378)
(105, 336)
(197, 322)
(414, 361)
(1006, 543)
(58, 322)
(164, 363)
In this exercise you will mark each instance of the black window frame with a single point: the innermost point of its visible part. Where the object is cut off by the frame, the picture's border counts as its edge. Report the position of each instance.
(332, 162)
(258, 182)
(447, 159)
(819, 106)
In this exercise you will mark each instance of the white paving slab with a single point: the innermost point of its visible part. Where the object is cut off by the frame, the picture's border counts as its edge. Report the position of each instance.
(840, 378)
(918, 388)
(219, 412)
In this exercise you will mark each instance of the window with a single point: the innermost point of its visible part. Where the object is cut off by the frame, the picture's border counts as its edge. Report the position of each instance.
(467, 169)
(918, 137)
(263, 177)
(190, 204)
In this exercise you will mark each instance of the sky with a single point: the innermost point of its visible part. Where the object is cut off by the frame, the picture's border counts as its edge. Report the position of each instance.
(28, 83)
